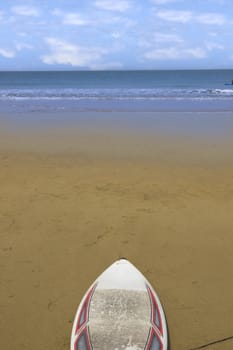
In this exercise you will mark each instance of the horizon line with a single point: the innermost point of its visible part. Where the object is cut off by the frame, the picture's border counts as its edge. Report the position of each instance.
(110, 70)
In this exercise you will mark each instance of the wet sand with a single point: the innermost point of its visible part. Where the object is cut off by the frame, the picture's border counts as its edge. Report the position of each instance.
(77, 195)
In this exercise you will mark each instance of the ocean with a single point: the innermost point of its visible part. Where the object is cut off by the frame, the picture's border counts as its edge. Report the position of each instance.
(117, 90)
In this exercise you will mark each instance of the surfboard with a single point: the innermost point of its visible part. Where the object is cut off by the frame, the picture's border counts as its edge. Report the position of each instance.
(120, 311)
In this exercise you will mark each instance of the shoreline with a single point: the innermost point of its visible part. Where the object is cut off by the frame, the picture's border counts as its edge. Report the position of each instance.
(48, 105)
(184, 138)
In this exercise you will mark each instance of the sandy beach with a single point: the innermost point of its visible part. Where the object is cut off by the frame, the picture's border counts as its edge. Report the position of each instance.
(77, 193)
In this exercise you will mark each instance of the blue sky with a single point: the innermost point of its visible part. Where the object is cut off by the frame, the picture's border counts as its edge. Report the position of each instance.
(116, 34)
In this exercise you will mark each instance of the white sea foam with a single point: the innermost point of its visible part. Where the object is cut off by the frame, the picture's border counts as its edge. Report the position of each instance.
(112, 94)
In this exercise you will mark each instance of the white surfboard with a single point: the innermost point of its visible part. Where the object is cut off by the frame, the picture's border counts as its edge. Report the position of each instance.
(120, 311)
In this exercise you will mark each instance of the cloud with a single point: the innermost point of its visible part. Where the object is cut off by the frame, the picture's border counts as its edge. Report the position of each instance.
(62, 52)
(213, 34)
(25, 11)
(163, 2)
(208, 18)
(74, 19)
(57, 12)
(211, 18)
(93, 19)
(116, 35)
(107, 66)
(214, 46)
(113, 5)
(174, 53)
(21, 46)
(7, 53)
(175, 16)
(121, 21)
(22, 34)
(71, 18)
(154, 40)
(164, 37)
(220, 2)
(195, 52)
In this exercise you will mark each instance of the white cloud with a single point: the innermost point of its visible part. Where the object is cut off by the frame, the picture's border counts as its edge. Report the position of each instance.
(213, 34)
(164, 37)
(62, 52)
(173, 53)
(107, 66)
(113, 5)
(220, 2)
(25, 11)
(154, 40)
(71, 18)
(121, 21)
(163, 2)
(74, 19)
(211, 18)
(21, 46)
(116, 35)
(93, 19)
(214, 46)
(57, 12)
(22, 34)
(175, 16)
(7, 53)
(208, 18)
(195, 52)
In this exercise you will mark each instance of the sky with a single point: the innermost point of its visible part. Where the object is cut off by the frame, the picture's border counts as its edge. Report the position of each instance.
(115, 34)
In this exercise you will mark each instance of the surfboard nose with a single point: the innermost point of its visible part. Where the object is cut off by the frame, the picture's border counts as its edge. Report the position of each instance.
(122, 274)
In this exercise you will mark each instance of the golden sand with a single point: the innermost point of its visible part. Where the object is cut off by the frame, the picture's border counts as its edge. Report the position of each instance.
(75, 199)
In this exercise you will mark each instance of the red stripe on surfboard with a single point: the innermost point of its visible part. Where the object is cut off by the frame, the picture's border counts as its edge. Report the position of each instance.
(85, 309)
(153, 335)
(154, 306)
(87, 339)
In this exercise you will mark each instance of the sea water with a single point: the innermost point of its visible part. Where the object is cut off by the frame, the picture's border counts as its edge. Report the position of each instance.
(155, 90)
